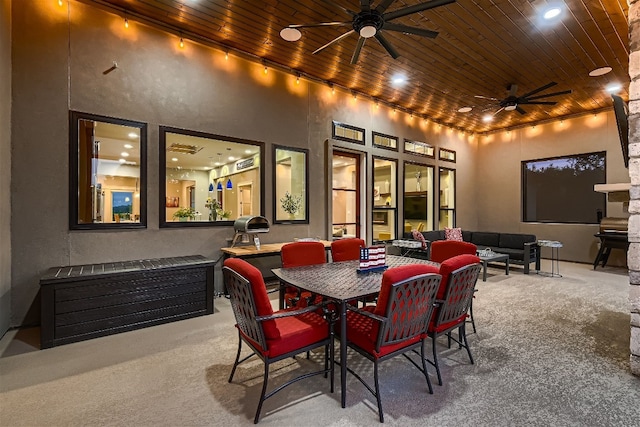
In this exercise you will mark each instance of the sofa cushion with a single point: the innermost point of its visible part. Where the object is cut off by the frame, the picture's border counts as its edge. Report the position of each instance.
(514, 254)
(515, 241)
(453, 234)
(466, 235)
(480, 238)
(434, 235)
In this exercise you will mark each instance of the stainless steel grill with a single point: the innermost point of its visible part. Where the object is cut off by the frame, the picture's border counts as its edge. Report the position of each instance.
(614, 225)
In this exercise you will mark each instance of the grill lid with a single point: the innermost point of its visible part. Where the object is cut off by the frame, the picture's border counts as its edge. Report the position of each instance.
(612, 224)
(251, 224)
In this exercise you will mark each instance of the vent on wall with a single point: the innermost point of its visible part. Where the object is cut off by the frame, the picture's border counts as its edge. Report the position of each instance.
(183, 148)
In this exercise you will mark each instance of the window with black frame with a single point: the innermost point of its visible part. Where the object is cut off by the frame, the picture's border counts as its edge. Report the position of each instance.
(447, 198)
(290, 185)
(107, 172)
(560, 189)
(418, 197)
(385, 199)
(208, 179)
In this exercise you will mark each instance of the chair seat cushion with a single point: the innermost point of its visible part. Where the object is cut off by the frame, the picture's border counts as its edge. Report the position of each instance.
(363, 332)
(445, 326)
(297, 332)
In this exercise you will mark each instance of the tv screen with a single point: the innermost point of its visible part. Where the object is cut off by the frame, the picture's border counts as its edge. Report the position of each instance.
(415, 207)
(622, 120)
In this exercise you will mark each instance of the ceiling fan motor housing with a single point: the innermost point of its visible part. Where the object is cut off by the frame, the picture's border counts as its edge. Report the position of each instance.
(370, 18)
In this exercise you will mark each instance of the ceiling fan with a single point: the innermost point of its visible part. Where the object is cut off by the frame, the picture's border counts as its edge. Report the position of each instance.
(370, 22)
(513, 102)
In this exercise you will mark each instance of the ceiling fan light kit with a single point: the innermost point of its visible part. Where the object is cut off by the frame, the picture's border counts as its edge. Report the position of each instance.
(371, 22)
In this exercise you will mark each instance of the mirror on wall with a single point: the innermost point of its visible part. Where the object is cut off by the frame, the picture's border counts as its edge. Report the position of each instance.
(290, 185)
(108, 172)
(208, 179)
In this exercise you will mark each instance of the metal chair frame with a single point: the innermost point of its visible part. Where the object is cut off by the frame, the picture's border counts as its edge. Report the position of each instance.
(454, 306)
(250, 331)
(411, 304)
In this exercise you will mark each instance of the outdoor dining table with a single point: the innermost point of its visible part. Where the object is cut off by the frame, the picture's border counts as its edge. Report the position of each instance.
(340, 282)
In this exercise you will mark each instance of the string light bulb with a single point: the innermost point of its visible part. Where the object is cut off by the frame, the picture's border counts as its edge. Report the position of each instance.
(60, 3)
(226, 55)
(126, 22)
(297, 79)
(181, 43)
(266, 70)
(333, 90)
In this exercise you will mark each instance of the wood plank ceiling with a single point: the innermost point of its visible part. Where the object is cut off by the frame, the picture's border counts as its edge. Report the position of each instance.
(483, 47)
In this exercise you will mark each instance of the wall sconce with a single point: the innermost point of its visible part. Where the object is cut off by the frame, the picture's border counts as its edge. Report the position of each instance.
(229, 185)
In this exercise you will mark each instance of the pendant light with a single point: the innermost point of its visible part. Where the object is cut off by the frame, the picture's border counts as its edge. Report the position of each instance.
(229, 185)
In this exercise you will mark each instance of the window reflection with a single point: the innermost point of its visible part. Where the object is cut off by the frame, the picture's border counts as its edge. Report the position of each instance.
(208, 178)
(107, 187)
(418, 197)
(345, 175)
(447, 198)
(384, 199)
(290, 185)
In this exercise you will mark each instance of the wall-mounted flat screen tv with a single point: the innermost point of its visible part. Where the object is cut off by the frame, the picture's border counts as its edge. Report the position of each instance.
(621, 111)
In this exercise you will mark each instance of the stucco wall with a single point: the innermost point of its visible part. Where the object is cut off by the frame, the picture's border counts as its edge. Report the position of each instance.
(59, 62)
(5, 165)
(500, 188)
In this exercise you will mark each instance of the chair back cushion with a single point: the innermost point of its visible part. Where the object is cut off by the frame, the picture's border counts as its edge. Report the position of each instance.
(397, 274)
(449, 266)
(297, 254)
(442, 250)
(346, 249)
(258, 291)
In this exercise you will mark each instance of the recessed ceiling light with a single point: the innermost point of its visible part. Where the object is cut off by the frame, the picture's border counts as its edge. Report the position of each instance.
(552, 12)
(231, 158)
(398, 79)
(133, 135)
(487, 118)
(600, 71)
(122, 160)
(128, 146)
(464, 109)
(613, 87)
(247, 151)
(290, 34)
(124, 154)
(174, 159)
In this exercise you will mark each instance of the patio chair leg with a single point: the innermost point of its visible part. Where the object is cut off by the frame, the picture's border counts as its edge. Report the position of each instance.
(235, 364)
(435, 359)
(264, 389)
(473, 323)
(375, 379)
(424, 368)
(463, 335)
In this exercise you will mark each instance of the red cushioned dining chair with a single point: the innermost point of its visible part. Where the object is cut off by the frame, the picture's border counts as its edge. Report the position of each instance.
(297, 254)
(273, 336)
(346, 249)
(459, 277)
(442, 250)
(397, 323)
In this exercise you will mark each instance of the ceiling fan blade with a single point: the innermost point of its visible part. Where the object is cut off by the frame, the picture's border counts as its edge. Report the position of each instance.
(336, 40)
(485, 97)
(513, 89)
(501, 108)
(365, 5)
(385, 43)
(540, 89)
(524, 101)
(322, 24)
(344, 9)
(384, 5)
(520, 110)
(409, 30)
(356, 53)
(564, 92)
(415, 8)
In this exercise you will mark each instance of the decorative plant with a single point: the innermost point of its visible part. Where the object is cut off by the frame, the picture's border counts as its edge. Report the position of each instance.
(291, 204)
(185, 213)
(223, 214)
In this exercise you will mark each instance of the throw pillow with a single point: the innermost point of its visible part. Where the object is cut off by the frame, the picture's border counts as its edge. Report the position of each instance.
(419, 237)
(453, 234)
